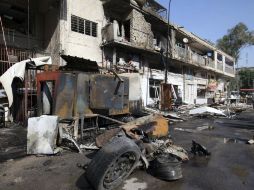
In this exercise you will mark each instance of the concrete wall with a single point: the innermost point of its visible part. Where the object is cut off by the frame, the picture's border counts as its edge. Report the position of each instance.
(141, 32)
(51, 41)
(81, 45)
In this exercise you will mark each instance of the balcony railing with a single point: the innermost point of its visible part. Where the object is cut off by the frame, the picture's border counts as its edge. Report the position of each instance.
(219, 65)
(229, 69)
(198, 59)
(180, 53)
(210, 63)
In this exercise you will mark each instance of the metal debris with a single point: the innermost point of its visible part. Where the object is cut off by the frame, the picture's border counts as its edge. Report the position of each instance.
(168, 147)
(18, 70)
(154, 126)
(42, 134)
(198, 149)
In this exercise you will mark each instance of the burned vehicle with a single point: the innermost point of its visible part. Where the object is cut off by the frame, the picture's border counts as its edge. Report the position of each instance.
(94, 107)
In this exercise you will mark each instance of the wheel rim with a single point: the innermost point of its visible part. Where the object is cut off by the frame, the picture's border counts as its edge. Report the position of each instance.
(119, 169)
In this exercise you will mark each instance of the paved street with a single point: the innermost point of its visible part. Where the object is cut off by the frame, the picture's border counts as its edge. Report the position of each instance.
(229, 167)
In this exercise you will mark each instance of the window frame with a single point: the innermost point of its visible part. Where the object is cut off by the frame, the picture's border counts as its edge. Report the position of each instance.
(88, 27)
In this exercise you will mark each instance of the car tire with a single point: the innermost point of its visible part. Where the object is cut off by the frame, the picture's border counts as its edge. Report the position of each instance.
(113, 163)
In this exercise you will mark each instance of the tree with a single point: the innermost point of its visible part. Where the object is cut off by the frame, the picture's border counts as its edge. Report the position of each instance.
(246, 78)
(237, 38)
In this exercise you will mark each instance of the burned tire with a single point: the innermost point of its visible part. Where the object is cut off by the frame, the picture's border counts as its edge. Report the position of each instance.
(113, 163)
(166, 167)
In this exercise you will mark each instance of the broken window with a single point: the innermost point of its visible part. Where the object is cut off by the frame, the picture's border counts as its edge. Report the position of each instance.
(77, 24)
(83, 26)
(154, 88)
(201, 91)
(127, 30)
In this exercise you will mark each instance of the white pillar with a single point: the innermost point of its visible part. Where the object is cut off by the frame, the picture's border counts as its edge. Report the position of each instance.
(115, 29)
(234, 64)
(224, 63)
(215, 59)
(114, 56)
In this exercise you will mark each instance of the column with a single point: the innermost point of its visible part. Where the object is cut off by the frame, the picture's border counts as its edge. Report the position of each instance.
(215, 59)
(224, 63)
(114, 57)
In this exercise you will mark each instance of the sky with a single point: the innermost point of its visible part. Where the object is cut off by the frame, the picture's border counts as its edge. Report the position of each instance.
(210, 19)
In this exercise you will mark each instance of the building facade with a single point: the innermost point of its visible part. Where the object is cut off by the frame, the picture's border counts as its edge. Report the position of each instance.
(128, 36)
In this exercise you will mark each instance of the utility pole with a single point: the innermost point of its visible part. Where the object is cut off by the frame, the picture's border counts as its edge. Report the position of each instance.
(167, 51)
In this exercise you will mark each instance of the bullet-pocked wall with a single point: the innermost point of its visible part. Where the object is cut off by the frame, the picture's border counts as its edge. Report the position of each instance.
(140, 33)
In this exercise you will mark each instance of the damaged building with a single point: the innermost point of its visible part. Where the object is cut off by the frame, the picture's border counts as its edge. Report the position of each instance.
(130, 37)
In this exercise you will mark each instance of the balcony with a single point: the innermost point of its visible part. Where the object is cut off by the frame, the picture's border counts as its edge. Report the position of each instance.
(220, 65)
(113, 32)
(180, 53)
(229, 69)
(123, 33)
(198, 59)
(155, 9)
(193, 58)
(210, 63)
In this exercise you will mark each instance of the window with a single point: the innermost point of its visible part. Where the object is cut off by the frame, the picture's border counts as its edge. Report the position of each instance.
(154, 88)
(77, 24)
(94, 29)
(201, 91)
(88, 27)
(83, 26)
(91, 28)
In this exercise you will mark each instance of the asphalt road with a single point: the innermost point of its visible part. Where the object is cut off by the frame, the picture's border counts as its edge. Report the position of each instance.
(230, 166)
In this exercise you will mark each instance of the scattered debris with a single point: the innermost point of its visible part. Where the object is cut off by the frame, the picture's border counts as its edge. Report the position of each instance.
(206, 111)
(154, 126)
(67, 136)
(89, 147)
(198, 149)
(167, 147)
(104, 138)
(166, 167)
(251, 141)
(41, 135)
